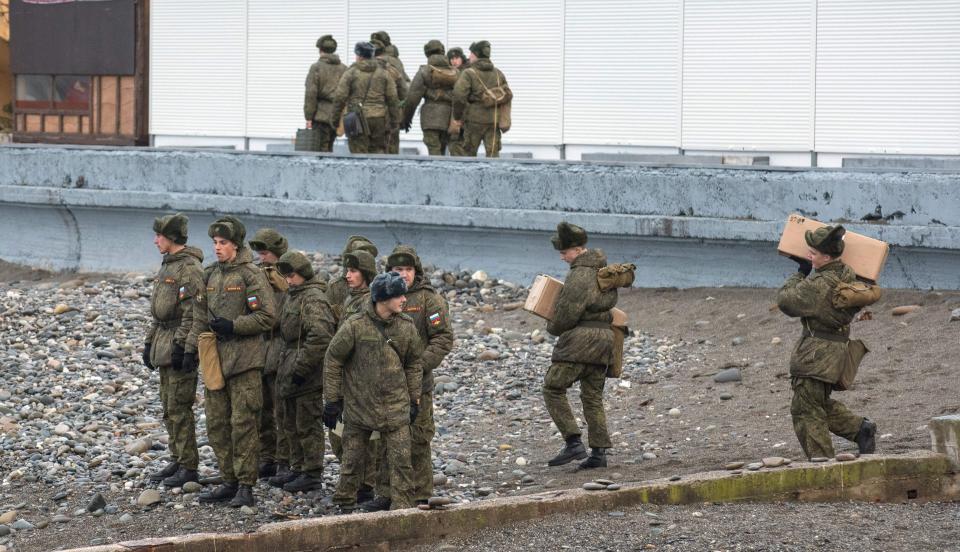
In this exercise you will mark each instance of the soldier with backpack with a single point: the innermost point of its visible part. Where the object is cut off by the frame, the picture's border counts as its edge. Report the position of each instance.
(433, 84)
(481, 102)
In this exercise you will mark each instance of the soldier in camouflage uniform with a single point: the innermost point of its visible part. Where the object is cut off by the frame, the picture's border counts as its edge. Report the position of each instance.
(480, 122)
(368, 88)
(238, 307)
(584, 350)
(437, 96)
(372, 379)
(171, 348)
(306, 325)
(322, 80)
(389, 47)
(818, 358)
(455, 140)
(269, 245)
(338, 290)
(431, 316)
(394, 67)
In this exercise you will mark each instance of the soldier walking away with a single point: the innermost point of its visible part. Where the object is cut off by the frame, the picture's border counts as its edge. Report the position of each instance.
(367, 89)
(172, 349)
(394, 68)
(433, 84)
(238, 307)
(584, 350)
(389, 47)
(306, 326)
(372, 380)
(431, 317)
(321, 85)
(478, 95)
(338, 290)
(822, 353)
(269, 245)
(459, 62)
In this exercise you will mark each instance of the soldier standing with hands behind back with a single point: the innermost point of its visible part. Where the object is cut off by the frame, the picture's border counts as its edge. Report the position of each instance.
(322, 80)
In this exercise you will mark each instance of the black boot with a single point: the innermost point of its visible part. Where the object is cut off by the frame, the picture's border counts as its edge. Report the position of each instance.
(222, 493)
(597, 459)
(376, 504)
(866, 438)
(573, 450)
(182, 476)
(267, 469)
(303, 483)
(168, 470)
(365, 494)
(284, 476)
(244, 497)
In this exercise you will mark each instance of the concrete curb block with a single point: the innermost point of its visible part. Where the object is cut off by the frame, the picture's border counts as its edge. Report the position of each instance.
(921, 476)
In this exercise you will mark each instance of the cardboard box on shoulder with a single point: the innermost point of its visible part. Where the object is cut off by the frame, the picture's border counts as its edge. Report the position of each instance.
(542, 299)
(866, 256)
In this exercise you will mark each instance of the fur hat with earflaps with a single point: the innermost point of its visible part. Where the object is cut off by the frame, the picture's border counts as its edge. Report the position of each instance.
(387, 286)
(229, 228)
(827, 239)
(295, 261)
(567, 236)
(172, 227)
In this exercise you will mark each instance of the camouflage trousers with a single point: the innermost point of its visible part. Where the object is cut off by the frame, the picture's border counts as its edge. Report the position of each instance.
(303, 427)
(326, 135)
(178, 392)
(436, 141)
(592, 377)
(474, 133)
(393, 141)
(375, 141)
(371, 462)
(816, 416)
(455, 144)
(233, 424)
(421, 458)
(273, 441)
(356, 442)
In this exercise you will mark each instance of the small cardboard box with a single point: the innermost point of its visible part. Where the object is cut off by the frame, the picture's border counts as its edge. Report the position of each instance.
(866, 256)
(542, 299)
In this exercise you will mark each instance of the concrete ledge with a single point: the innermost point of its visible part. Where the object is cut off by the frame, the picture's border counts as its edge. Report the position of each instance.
(919, 476)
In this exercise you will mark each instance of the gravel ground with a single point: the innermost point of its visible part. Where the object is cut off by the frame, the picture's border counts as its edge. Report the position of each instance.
(80, 416)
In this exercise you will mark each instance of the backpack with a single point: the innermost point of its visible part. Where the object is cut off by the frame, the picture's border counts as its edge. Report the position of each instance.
(616, 276)
(496, 96)
(443, 77)
(855, 294)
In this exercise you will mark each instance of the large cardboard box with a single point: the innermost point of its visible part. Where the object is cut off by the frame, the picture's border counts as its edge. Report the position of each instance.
(866, 256)
(542, 299)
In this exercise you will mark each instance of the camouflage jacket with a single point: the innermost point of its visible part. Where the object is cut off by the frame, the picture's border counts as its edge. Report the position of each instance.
(437, 102)
(431, 316)
(337, 293)
(365, 79)
(173, 304)
(377, 378)
(394, 67)
(354, 303)
(237, 290)
(272, 339)
(581, 309)
(321, 85)
(306, 326)
(811, 299)
(469, 90)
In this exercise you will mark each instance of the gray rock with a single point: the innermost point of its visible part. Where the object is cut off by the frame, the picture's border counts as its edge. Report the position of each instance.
(727, 376)
(438, 501)
(734, 465)
(754, 466)
(649, 456)
(97, 503)
(4, 530)
(22, 525)
(674, 478)
(955, 315)
(485, 491)
(138, 447)
(773, 461)
(845, 457)
(737, 341)
(126, 518)
(819, 459)
(614, 487)
(192, 487)
(591, 486)
(247, 511)
(61, 518)
(149, 497)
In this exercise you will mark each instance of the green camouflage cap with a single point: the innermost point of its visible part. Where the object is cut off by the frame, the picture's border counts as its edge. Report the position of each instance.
(362, 243)
(404, 255)
(362, 261)
(434, 47)
(327, 44)
(228, 228)
(382, 36)
(481, 49)
(268, 239)
(172, 227)
(567, 236)
(827, 239)
(295, 261)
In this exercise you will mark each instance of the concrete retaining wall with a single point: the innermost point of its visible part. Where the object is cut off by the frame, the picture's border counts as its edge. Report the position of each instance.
(91, 209)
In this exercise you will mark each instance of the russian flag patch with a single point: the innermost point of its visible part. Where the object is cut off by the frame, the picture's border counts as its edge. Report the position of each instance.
(253, 302)
(435, 319)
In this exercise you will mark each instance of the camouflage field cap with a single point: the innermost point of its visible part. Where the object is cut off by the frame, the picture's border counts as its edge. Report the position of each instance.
(295, 261)
(827, 239)
(567, 236)
(404, 255)
(327, 44)
(172, 227)
(362, 243)
(228, 228)
(481, 49)
(268, 239)
(362, 261)
(382, 36)
(387, 286)
(434, 47)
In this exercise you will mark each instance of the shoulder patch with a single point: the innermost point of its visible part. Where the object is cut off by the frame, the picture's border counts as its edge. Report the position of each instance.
(183, 294)
(253, 302)
(233, 288)
(435, 320)
(413, 308)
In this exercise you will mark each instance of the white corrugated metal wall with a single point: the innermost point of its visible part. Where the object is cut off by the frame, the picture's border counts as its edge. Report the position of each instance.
(756, 75)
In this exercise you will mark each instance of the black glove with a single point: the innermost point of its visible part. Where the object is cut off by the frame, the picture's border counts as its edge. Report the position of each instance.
(190, 362)
(298, 380)
(332, 411)
(176, 357)
(146, 356)
(222, 326)
(414, 410)
(804, 266)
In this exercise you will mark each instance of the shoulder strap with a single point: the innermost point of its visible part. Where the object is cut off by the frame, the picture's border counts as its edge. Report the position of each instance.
(393, 345)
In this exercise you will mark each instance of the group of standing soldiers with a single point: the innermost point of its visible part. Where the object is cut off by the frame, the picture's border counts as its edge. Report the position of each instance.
(298, 353)
(465, 101)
